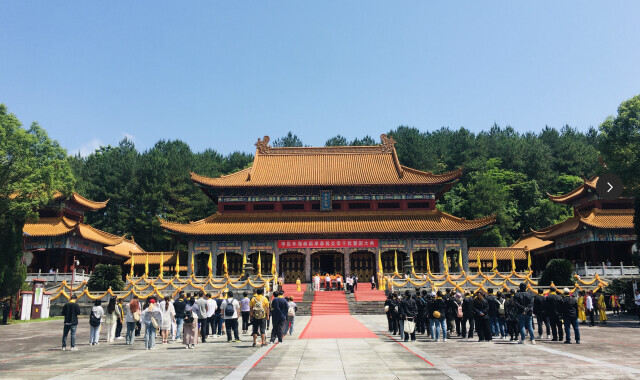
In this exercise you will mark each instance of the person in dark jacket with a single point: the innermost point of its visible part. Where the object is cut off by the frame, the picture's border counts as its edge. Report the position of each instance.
(553, 309)
(493, 312)
(70, 311)
(457, 303)
(396, 315)
(429, 314)
(437, 317)
(481, 315)
(450, 311)
(422, 304)
(541, 317)
(390, 305)
(409, 312)
(179, 305)
(570, 316)
(467, 315)
(511, 317)
(523, 301)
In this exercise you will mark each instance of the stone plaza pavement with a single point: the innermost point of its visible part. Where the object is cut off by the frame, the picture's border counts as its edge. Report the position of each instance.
(32, 351)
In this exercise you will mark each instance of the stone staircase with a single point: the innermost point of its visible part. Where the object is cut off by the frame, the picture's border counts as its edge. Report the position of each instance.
(364, 307)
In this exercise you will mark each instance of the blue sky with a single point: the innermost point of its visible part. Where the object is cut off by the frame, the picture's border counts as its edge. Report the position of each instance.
(220, 74)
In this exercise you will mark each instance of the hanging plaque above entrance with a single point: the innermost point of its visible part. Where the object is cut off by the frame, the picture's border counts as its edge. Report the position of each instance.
(329, 243)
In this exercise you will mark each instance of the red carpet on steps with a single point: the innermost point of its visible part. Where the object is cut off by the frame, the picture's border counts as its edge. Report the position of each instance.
(330, 319)
(290, 291)
(370, 295)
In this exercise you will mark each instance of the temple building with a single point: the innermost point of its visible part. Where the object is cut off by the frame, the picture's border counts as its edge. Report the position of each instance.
(60, 234)
(326, 210)
(600, 231)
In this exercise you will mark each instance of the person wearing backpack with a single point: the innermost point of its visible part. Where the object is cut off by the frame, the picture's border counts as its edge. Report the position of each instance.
(190, 323)
(457, 300)
(95, 320)
(230, 312)
(502, 316)
(291, 316)
(258, 314)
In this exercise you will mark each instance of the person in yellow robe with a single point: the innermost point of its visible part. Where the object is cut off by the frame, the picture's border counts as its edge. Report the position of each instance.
(582, 315)
(602, 308)
(615, 304)
(298, 282)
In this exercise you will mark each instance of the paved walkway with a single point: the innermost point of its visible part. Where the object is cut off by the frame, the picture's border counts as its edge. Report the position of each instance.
(31, 351)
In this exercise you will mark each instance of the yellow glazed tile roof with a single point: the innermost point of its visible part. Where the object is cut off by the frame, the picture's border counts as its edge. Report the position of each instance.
(589, 184)
(154, 258)
(502, 253)
(327, 166)
(82, 201)
(125, 248)
(323, 223)
(531, 243)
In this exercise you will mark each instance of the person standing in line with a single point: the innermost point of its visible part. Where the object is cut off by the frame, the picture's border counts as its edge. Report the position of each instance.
(259, 314)
(279, 309)
(582, 315)
(291, 316)
(151, 317)
(602, 308)
(481, 313)
(458, 312)
(637, 302)
(589, 308)
(421, 303)
(373, 282)
(179, 306)
(539, 306)
(316, 283)
(231, 310)
(70, 311)
(493, 312)
(219, 321)
(502, 315)
(354, 282)
(523, 302)
(95, 321)
(327, 282)
(211, 314)
(110, 320)
(511, 317)
(190, 332)
(437, 317)
(553, 309)
(409, 310)
(339, 283)
(202, 316)
(168, 318)
(570, 316)
(245, 309)
(389, 306)
(467, 316)
(132, 318)
(119, 318)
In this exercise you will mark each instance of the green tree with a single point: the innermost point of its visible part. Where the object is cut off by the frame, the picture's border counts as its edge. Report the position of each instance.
(32, 168)
(106, 276)
(288, 141)
(620, 147)
(558, 271)
(337, 141)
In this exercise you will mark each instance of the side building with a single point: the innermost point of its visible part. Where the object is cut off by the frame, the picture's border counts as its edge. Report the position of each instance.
(326, 210)
(60, 234)
(600, 231)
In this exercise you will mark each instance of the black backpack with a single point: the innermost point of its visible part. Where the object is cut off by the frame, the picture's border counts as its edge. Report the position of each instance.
(188, 317)
(93, 320)
(229, 310)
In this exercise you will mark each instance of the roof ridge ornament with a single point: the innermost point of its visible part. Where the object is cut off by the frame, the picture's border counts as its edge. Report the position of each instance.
(388, 143)
(263, 145)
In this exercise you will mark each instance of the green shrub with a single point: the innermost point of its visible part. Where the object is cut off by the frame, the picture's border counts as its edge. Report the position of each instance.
(106, 276)
(558, 271)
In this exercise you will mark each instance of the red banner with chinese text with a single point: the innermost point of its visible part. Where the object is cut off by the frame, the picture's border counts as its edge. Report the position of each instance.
(328, 243)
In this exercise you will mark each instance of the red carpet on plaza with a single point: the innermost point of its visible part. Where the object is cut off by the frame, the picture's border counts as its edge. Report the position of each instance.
(330, 319)
(369, 295)
(290, 290)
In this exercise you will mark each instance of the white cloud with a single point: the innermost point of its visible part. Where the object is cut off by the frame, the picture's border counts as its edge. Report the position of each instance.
(89, 147)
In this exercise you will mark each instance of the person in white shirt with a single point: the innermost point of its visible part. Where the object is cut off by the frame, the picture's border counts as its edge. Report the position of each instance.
(230, 310)
(316, 282)
(327, 282)
(637, 301)
(589, 308)
(338, 283)
(211, 312)
(94, 330)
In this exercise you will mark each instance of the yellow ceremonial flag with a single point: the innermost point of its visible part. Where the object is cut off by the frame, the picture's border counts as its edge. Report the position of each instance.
(380, 262)
(146, 266)
(132, 260)
(395, 262)
(428, 263)
(479, 263)
(529, 260)
(445, 262)
(210, 265)
(259, 264)
(224, 264)
(513, 262)
(274, 271)
(193, 272)
(178, 264)
(495, 262)
(411, 260)
(161, 263)
(460, 260)
(244, 261)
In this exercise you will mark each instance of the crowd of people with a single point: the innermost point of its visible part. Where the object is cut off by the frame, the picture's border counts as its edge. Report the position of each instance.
(503, 315)
(191, 318)
(328, 282)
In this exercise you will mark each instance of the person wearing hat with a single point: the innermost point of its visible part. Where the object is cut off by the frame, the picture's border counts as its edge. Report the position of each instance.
(570, 316)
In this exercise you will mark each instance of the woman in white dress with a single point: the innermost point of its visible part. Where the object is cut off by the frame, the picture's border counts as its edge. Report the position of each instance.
(168, 318)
